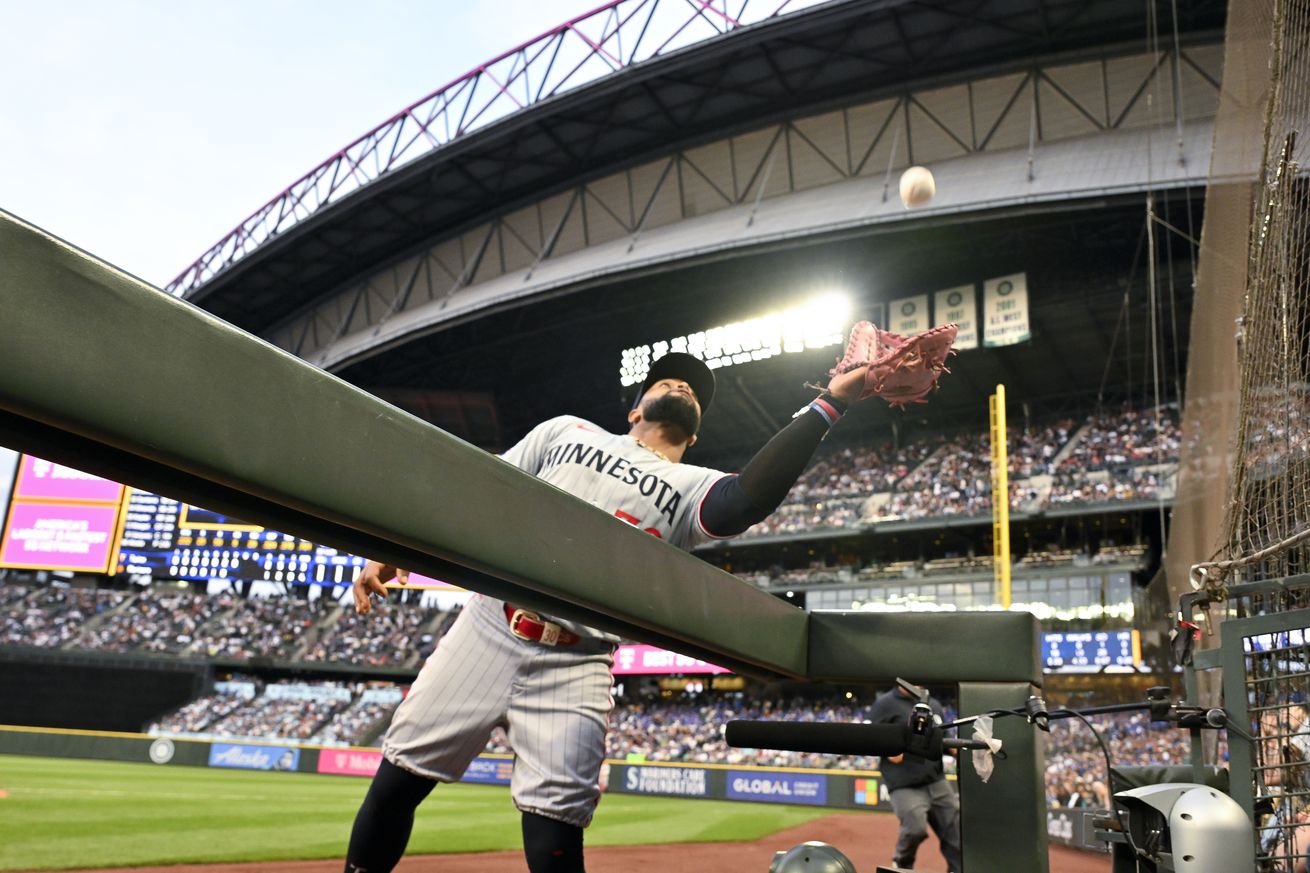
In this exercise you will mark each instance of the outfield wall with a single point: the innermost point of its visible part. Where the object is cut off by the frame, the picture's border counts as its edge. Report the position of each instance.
(841, 789)
(93, 690)
(828, 788)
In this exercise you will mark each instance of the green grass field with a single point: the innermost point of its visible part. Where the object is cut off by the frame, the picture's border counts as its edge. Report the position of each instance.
(60, 814)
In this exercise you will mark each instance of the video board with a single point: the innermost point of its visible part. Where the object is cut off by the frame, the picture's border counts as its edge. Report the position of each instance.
(165, 538)
(60, 518)
(1090, 651)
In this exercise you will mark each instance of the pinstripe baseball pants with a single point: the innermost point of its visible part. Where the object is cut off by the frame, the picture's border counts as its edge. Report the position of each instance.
(553, 702)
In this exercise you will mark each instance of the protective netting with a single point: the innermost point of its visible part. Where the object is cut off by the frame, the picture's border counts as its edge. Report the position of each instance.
(1277, 684)
(1243, 499)
(1269, 516)
(1245, 484)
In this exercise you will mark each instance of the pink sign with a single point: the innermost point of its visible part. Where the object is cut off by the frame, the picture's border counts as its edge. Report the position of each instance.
(45, 480)
(49, 536)
(349, 762)
(645, 660)
(418, 580)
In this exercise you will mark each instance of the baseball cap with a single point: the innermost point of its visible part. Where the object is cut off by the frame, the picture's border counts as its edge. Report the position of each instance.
(688, 368)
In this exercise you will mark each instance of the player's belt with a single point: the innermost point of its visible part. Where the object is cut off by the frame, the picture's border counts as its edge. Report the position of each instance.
(535, 629)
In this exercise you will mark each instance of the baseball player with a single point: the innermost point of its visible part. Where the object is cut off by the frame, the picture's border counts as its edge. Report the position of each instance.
(547, 681)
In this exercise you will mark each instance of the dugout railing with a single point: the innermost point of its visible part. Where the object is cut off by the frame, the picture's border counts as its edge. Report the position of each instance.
(102, 372)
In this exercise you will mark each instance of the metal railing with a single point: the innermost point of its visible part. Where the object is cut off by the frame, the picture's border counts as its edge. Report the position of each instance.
(615, 36)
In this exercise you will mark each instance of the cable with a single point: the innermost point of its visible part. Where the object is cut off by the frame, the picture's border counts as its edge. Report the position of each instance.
(1116, 806)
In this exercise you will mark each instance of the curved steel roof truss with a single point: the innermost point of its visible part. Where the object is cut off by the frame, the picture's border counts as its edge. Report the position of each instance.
(333, 227)
(601, 42)
(1014, 120)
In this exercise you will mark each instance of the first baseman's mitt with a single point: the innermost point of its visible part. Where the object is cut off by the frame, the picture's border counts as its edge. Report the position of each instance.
(902, 369)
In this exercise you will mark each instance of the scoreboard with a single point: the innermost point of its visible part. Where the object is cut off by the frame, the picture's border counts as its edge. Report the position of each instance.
(60, 518)
(164, 538)
(1090, 651)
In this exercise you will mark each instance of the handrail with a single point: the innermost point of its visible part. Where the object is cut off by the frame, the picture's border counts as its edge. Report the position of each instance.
(610, 38)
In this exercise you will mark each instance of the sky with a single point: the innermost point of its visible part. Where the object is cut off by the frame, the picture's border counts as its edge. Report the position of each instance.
(143, 131)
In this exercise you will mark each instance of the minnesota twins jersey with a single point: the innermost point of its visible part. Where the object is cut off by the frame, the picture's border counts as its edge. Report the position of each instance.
(614, 473)
(619, 476)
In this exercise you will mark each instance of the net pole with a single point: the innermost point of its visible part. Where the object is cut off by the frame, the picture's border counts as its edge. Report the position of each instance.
(1000, 497)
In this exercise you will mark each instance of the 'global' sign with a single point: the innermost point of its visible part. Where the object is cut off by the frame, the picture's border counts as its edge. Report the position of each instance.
(811, 789)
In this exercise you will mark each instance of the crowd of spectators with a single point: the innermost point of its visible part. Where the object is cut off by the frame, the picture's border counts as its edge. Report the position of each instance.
(690, 732)
(283, 711)
(817, 515)
(955, 480)
(1033, 453)
(693, 733)
(51, 616)
(157, 621)
(819, 573)
(327, 713)
(1102, 458)
(1070, 488)
(1129, 438)
(354, 724)
(164, 619)
(1277, 428)
(391, 635)
(1075, 764)
(859, 472)
(199, 714)
(261, 627)
(277, 718)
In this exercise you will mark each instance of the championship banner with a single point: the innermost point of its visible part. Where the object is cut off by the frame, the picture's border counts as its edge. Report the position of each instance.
(1005, 310)
(908, 315)
(958, 306)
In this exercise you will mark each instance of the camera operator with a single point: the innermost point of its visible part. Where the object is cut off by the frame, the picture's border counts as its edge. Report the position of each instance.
(918, 789)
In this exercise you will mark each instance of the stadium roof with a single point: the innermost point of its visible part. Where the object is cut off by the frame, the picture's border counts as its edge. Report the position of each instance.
(343, 219)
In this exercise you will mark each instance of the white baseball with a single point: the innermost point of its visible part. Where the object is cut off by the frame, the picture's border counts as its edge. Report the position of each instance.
(917, 187)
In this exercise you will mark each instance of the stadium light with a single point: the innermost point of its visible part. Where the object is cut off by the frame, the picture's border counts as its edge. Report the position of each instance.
(817, 323)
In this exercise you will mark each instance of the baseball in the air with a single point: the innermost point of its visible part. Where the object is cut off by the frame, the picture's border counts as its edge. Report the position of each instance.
(917, 187)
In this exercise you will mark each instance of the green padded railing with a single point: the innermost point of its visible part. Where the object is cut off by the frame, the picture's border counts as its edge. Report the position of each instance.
(103, 372)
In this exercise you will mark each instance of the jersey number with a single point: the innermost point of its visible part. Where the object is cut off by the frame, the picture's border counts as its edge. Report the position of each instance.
(636, 522)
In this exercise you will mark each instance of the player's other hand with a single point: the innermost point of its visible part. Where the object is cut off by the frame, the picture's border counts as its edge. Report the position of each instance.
(372, 581)
(847, 387)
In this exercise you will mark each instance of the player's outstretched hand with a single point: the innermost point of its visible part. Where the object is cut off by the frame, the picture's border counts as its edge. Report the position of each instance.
(848, 386)
(899, 369)
(372, 580)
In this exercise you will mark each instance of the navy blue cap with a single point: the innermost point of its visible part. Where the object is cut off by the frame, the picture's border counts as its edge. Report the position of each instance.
(688, 368)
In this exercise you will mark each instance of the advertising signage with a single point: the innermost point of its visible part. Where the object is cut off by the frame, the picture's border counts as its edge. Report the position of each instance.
(648, 660)
(60, 519)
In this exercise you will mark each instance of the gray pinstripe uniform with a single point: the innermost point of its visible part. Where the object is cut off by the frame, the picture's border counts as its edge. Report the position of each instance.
(553, 702)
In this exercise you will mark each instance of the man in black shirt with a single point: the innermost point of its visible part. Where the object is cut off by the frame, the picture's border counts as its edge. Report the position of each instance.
(917, 787)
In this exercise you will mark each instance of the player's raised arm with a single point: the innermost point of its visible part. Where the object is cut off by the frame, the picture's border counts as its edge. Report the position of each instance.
(898, 369)
(737, 502)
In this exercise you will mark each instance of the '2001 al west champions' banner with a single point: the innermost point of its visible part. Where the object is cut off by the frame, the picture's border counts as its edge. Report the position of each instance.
(1005, 310)
(958, 306)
